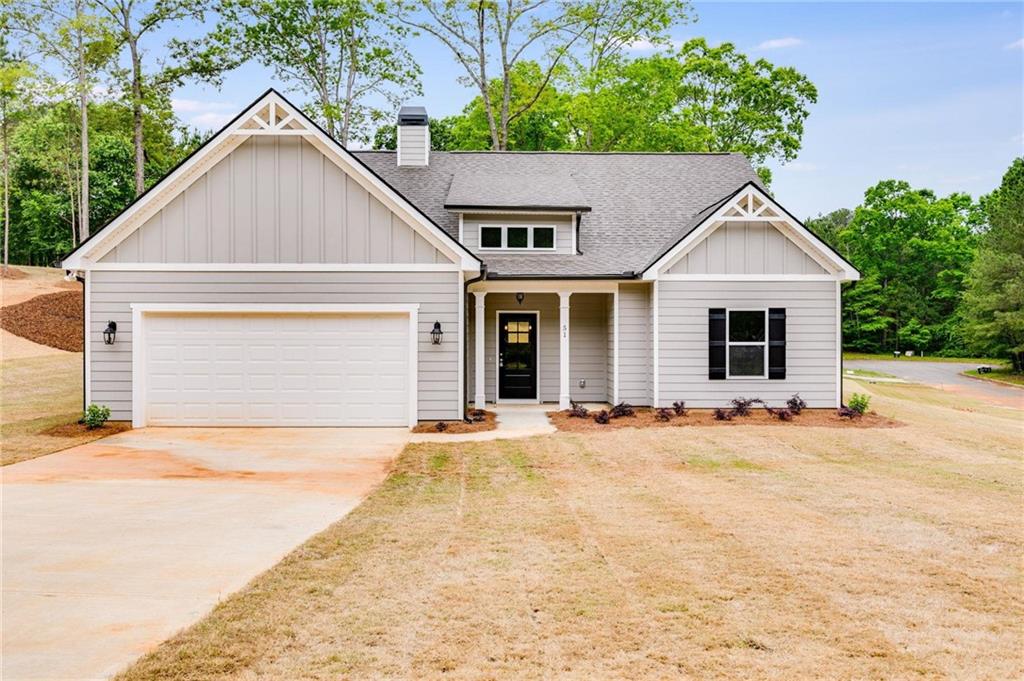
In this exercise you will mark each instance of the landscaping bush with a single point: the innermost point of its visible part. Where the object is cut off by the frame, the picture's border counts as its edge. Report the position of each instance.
(847, 413)
(679, 408)
(477, 415)
(578, 411)
(95, 416)
(783, 414)
(723, 415)
(796, 404)
(622, 409)
(741, 405)
(859, 403)
(441, 426)
(663, 415)
(603, 417)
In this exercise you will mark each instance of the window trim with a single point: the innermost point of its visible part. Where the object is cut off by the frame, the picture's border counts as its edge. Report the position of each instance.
(504, 227)
(729, 344)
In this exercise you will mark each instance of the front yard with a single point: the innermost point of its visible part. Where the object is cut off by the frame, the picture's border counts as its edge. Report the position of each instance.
(741, 552)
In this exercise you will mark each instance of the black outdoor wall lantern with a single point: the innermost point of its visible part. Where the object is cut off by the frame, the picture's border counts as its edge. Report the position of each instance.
(520, 297)
(436, 333)
(110, 332)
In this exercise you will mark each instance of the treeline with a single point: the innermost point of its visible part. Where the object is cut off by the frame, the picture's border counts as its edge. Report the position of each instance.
(940, 275)
(85, 88)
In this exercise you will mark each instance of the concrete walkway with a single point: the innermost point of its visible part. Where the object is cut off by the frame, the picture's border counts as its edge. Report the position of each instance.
(514, 421)
(111, 547)
(944, 376)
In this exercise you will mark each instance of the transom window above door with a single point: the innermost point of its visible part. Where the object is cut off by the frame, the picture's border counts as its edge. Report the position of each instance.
(517, 237)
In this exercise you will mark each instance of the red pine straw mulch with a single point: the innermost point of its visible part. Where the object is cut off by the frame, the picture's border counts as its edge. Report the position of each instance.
(53, 319)
(11, 273)
(822, 418)
(79, 429)
(458, 427)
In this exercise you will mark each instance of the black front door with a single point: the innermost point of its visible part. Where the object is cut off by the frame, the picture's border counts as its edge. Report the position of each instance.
(517, 356)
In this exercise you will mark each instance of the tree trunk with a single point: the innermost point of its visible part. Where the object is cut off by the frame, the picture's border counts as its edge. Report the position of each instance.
(7, 185)
(83, 104)
(140, 154)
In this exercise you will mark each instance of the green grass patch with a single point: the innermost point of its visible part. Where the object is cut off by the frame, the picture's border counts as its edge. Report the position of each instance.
(999, 375)
(927, 358)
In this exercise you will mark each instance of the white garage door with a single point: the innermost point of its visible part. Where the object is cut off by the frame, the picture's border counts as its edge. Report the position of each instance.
(277, 370)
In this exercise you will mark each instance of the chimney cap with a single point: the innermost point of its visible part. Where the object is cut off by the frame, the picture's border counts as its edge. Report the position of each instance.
(413, 115)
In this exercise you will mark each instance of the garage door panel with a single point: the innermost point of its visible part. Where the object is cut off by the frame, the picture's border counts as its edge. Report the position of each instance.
(295, 370)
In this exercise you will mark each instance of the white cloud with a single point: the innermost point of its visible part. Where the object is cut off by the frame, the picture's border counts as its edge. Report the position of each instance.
(645, 45)
(780, 43)
(208, 115)
(1018, 45)
(211, 120)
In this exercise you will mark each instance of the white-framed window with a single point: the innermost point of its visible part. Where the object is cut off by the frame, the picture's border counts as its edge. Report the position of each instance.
(517, 237)
(746, 335)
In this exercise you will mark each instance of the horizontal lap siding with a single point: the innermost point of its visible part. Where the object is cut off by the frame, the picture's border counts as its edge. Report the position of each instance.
(810, 341)
(635, 344)
(437, 293)
(588, 346)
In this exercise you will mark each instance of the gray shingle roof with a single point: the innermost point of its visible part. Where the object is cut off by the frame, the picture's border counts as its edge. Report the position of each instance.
(508, 190)
(640, 203)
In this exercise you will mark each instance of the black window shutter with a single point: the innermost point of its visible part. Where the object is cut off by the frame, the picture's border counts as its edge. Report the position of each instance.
(777, 343)
(716, 343)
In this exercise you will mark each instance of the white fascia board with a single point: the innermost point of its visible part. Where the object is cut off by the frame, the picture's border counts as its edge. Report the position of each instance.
(267, 267)
(283, 308)
(809, 243)
(545, 286)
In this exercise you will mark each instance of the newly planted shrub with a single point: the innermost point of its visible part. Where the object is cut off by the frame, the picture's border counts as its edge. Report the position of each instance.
(441, 426)
(622, 409)
(603, 417)
(95, 416)
(796, 404)
(477, 415)
(663, 415)
(847, 413)
(723, 415)
(741, 405)
(783, 414)
(578, 411)
(859, 403)
(679, 408)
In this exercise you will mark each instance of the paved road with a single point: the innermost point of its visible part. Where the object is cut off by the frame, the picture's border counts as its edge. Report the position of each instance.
(111, 547)
(945, 376)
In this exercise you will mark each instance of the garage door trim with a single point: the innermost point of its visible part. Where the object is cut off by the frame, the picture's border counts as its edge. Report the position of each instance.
(142, 310)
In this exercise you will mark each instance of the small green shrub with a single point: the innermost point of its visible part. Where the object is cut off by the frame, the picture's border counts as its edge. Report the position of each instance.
(859, 403)
(95, 416)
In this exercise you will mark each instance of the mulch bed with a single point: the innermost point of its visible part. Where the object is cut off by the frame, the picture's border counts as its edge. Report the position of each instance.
(12, 273)
(53, 319)
(644, 418)
(79, 429)
(459, 427)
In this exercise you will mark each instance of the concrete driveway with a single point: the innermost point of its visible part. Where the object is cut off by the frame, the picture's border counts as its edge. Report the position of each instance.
(111, 547)
(945, 376)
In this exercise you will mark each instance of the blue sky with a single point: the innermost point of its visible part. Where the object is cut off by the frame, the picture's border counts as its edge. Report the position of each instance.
(932, 93)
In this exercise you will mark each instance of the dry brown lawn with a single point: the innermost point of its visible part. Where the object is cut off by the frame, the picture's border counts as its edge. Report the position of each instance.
(745, 552)
(40, 404)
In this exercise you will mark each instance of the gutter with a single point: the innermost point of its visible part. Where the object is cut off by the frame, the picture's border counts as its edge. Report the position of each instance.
(465, 332)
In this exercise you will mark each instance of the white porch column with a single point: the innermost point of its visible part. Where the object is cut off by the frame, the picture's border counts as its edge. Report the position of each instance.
(479, 396)
(563, 350)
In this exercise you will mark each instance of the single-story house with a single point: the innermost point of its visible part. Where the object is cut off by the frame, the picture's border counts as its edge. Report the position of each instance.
(277, 278)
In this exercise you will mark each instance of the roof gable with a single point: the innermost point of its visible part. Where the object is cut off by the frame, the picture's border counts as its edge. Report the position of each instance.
(270, 115)
(745, 207)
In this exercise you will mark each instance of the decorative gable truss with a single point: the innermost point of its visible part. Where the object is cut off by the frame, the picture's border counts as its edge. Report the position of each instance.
(270, 115)
(737, 241)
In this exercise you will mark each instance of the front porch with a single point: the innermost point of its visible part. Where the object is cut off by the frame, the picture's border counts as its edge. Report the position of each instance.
(543, 342)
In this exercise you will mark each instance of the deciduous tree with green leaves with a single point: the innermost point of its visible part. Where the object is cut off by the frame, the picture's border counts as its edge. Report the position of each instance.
(913, 249)
(993, 305)
(490, 38)
(348, 56)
